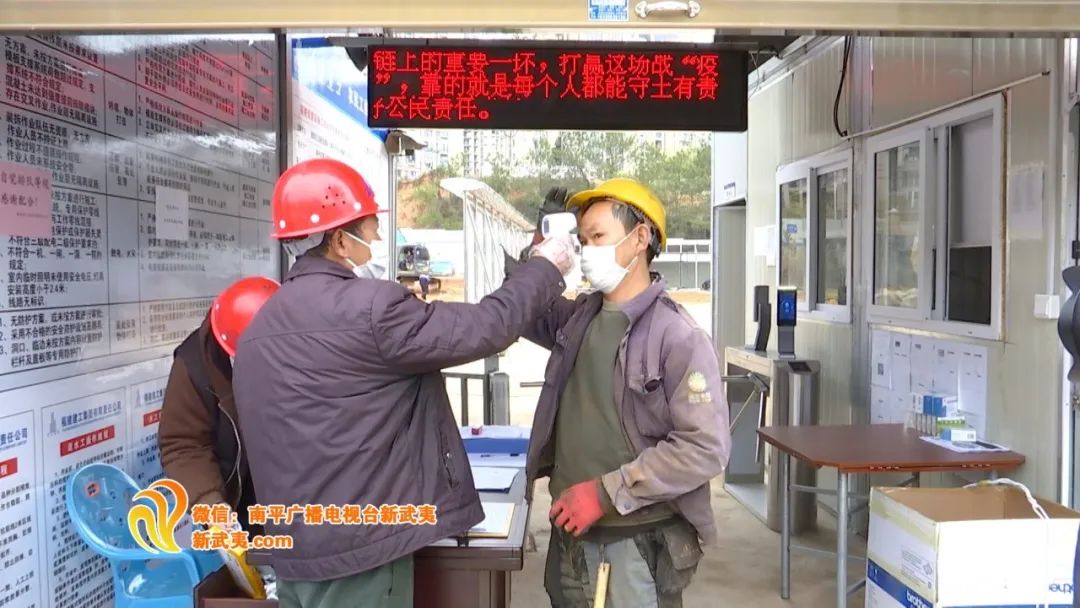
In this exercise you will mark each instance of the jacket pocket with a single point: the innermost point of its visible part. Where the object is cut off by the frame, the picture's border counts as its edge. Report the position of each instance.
(649, 404)
(448, 460)
(678, 558)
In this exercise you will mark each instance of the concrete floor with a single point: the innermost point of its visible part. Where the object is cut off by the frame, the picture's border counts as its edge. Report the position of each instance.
(742, 570)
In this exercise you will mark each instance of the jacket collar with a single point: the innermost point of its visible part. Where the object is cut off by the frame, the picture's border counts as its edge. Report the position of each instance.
(639, 304)
(316, 264)
(217, 361)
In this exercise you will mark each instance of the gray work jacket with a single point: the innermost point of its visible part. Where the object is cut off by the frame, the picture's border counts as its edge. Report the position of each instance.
(670, 396)
(341, 402)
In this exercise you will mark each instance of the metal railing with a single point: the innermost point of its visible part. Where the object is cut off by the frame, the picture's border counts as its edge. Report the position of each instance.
(485, 379)
(761, 393)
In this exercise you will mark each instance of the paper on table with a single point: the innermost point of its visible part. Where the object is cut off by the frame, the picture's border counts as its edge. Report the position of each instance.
(880, 359)
(497, 460)
(172, 214)
(497, 518)
(493, 479)
(964, 446)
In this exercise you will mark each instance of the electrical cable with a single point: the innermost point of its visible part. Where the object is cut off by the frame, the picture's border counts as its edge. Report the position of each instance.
(840, 88)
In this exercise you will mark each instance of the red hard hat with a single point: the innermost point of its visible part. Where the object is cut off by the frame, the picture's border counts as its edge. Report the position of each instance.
(318, 195)
(235, 307)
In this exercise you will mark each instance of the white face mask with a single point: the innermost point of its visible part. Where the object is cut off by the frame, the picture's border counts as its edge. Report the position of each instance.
(375, 267)
(601, 267)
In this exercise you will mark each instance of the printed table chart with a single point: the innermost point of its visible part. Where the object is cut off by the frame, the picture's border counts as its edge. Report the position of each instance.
(108, 129)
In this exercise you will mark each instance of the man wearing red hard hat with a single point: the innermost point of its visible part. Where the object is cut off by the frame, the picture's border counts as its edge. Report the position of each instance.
(341, 399)
(199, 436)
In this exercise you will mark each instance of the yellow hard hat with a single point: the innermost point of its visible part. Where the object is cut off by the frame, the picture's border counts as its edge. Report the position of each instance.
(631, 192)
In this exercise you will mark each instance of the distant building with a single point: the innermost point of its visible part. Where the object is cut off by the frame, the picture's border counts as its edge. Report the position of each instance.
(684, 263)
(482, 149)
(442, 146)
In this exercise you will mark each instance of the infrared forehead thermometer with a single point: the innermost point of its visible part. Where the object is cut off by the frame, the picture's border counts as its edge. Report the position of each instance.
(555, 224)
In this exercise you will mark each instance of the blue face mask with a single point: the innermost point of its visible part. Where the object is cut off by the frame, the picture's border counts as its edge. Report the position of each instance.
(375, 267)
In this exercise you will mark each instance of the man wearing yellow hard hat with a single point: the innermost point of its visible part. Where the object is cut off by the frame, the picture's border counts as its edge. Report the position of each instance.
(632, 423)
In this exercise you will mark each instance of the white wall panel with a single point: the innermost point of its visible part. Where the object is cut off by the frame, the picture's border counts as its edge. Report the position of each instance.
(912, 75)
(793, 120)
(998, 61)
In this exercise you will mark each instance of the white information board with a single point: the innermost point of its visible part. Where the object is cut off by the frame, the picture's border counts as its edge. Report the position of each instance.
(99, 134)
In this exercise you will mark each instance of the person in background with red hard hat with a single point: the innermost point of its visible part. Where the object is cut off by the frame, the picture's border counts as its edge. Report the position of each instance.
(199, 437)
(341, 399)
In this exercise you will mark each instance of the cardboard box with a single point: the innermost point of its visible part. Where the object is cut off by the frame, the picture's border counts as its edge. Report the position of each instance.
(219, 590)
(983, 546)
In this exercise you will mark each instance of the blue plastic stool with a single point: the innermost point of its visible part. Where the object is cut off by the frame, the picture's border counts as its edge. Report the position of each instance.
(99, 497)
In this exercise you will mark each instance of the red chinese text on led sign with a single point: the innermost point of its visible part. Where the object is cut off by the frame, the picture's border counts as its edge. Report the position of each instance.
(527, 87)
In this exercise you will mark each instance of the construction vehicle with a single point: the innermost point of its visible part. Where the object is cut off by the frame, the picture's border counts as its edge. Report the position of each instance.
(413, 261)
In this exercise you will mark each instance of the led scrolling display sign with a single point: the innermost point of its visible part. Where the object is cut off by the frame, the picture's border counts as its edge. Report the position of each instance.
(503, 86)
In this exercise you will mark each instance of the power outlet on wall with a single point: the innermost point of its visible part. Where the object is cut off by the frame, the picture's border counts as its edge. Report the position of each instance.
(1047, 306)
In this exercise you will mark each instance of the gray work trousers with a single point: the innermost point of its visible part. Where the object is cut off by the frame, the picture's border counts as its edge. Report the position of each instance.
(388, 586)
(643, 572)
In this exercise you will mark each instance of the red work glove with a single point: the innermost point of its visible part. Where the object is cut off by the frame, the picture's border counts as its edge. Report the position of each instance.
(578, 508)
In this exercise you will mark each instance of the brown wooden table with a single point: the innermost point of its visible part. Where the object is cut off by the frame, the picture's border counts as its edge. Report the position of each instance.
(451, 574)
(477, 575)
(852, 449)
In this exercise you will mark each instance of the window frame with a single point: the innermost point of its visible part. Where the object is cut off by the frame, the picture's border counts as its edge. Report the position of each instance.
(785, 175)
(808, 170)
(932, 135)
(874, 146)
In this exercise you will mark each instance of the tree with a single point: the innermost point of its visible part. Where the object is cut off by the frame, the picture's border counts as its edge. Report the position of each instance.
(577, 160)
(439, 209)
(683, 181)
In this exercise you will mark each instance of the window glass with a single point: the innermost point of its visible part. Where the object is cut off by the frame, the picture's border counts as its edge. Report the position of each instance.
(897, 227)
(970, 226)
(793, 232)
(833, 227)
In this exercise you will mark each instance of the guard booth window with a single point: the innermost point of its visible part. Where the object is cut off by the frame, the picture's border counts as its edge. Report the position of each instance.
(970, 230)
(937, 221)
(793, 241)
(814, 217)
(833, 227)
(897, 226)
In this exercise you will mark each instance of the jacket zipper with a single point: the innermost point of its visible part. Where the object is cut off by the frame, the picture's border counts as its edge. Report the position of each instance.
(622, 404)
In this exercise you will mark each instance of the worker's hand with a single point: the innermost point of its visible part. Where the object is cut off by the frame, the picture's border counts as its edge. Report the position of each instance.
(578, 508)
(554, 202)
(559, 250)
